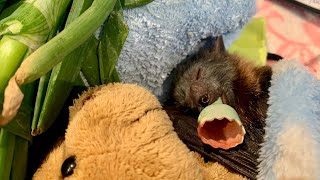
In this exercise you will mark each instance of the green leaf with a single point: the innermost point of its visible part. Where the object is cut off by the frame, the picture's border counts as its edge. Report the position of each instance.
(115, 33)
(15, 138)
(46, 57)
(11, 55)
(21, 123)
(90, 66)
(135, 3)
(77, 8)
(62, 78)
(7, 147)
(52, 10)
(20, 159)
(32, 21)
(10, 3)
(9, 10)
(41, 94)
(2, 3)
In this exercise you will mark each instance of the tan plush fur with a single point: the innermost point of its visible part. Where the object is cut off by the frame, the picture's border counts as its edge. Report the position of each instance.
(119, 131)
(215, 171)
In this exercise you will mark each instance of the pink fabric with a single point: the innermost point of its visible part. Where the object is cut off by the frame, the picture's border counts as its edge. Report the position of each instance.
(292, 31)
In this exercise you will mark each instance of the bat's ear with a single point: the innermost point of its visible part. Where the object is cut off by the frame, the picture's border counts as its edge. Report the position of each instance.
(219, 45)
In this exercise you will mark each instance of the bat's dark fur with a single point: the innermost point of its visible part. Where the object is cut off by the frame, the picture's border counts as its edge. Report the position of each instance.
(214, 73)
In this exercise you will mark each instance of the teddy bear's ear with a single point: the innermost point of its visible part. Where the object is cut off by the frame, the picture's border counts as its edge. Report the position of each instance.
(51, 167)
(219, 44)
(78, 103)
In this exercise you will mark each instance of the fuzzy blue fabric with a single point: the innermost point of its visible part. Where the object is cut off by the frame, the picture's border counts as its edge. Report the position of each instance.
(291, 148)
(164, 32)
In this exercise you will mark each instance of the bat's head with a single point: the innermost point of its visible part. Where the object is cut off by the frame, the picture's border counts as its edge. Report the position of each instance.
(201, 80)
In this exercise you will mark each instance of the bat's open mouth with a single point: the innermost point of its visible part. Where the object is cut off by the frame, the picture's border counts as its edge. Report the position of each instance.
(221, 133)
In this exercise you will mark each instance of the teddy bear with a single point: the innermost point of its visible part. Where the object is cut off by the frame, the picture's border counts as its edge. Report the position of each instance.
(120, 131)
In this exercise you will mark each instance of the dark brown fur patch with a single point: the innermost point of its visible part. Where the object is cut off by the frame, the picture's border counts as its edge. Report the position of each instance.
(240, 84)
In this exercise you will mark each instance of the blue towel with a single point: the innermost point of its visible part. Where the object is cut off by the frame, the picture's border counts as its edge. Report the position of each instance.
(164, 32)
(291, 148)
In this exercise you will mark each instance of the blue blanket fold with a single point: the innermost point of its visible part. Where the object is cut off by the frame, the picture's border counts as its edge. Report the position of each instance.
(291, 148)
(164, 32)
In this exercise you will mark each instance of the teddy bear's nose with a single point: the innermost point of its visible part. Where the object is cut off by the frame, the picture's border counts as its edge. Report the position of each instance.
(68, 166)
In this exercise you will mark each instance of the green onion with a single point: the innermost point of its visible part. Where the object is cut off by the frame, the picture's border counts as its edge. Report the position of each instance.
(2, 3)
(11, 55)
(36, 44)
(135, 3)
(65, 73)
(23, 31)
(15, 138)
(7, 147)
(55, 87)
(20, 159)
(41, 94)
(50, 54)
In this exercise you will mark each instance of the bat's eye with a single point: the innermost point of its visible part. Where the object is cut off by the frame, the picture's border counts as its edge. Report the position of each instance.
(204, 100)
(68, 166)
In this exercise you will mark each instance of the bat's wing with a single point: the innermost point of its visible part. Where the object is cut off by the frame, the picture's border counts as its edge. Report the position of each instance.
(242, 159)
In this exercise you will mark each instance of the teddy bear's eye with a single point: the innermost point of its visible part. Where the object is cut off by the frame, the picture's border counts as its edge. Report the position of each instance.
(68, 166)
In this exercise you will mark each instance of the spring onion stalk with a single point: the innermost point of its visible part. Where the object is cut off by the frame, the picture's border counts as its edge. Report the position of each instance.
(11, 55)
(46, 57)
(61, 82)
(33, 21)
(15, 139)
(20, 125)
(64, 75)
(99, 66)
(41, 94)
(2, 4)
(7, 147)
(61, 79)
(8, 3)
(20, 129)
(30, 24)
(24, 28)
(9, 10)
(50, 54)
(135, 3)
(20, 159)
(22, 31)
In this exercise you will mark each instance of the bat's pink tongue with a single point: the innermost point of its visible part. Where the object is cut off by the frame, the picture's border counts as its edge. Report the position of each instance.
(222, 133)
